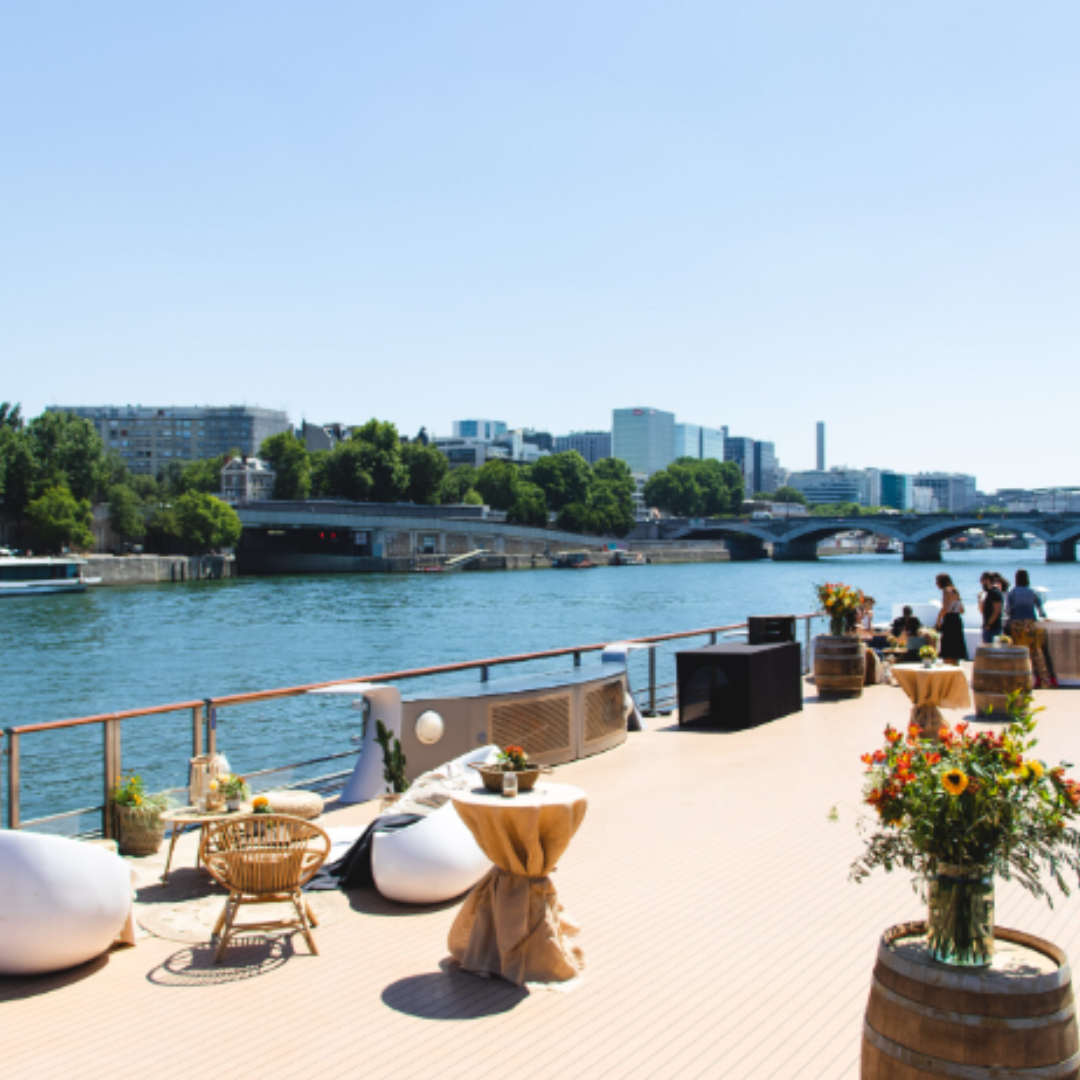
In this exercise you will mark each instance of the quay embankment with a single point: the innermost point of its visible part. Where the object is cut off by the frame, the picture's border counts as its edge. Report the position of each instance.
(156, 569)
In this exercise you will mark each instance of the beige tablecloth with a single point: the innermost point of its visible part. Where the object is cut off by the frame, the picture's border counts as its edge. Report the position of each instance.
(931, 689)
(512, 923)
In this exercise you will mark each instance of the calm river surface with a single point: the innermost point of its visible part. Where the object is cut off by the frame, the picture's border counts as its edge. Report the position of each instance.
(119, 648)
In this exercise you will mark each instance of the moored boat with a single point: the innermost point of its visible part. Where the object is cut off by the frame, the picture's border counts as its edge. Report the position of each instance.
(33, 576)
(572, 560)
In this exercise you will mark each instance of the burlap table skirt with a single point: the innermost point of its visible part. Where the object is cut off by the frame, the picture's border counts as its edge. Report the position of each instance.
(512, 923)
(931, 689)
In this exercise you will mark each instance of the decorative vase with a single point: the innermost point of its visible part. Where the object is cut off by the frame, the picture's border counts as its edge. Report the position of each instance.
(838, 625)
(928, 663)
(960, 929)
(141, 833)
(232, 805)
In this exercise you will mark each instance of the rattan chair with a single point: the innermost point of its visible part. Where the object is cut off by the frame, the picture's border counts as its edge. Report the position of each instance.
(263, 859)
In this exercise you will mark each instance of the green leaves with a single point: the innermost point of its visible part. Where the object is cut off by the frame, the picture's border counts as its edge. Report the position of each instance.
(203, 521)
(61, 520)
(693, 488)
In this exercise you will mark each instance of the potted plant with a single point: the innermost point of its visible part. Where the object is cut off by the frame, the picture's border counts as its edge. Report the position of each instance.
(138, 816)
(512, 759)
(960, 809)
(233, 788)
(393, 765)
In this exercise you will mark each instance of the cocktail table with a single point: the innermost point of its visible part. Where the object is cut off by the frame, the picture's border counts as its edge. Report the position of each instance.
(189, 817)
(931, 689)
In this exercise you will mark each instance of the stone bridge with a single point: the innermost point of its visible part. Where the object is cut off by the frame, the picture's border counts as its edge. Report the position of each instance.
(921, 535)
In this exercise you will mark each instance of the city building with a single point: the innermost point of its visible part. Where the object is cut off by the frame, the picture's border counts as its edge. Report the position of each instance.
(322, 436)
(475, 452)
(543, 439)
(1047, 500)
(643, 438)
(246, 479)
(695, 441)
(765, 478)
(521, 449)
(953, 491)
(821, 446)
(593, 446)
(149, 437)
(838, 485)
(739, 449)
(923, 501)
(484, 430)
(897, 491)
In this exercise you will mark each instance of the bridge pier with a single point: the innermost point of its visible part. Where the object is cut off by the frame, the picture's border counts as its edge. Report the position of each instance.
(795, 551)
(1061, 551)
(922, 551)
(745, 548)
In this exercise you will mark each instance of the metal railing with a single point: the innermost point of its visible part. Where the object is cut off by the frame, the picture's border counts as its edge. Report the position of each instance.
(653, 699)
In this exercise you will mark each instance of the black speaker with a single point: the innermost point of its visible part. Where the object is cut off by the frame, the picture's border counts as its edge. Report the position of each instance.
(770, 629)
(732, 687)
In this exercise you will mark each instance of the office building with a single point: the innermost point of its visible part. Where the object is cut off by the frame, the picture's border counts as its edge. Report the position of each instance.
(484, 430)
(149, 437)
(952, 491)
(765, 467)
(521, 450)
(821, 446)
(593, 446)
(826, 486)
(695, 441)
(542, 439)
(643, 438)
(741, 450)
(468, 451)
(897, 491)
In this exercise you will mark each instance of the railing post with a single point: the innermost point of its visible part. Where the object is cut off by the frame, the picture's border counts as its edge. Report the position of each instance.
(577, 658)
(712, 638)
(197, 731)
(111, 734)
(483, 673)
(13, 779)
(211, 726)
(652, 680)
(806, 651)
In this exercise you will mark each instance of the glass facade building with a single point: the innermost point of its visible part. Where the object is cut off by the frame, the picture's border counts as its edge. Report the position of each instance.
(643, 438)
(764, 467)
(897, 491)
(591, 445)
(741, 451)
(148, 438)
(484, 430)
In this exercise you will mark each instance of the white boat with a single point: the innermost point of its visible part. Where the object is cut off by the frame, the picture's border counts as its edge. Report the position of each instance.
(33, 576)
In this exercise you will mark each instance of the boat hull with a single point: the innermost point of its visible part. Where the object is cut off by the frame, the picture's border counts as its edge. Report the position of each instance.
(38, 588)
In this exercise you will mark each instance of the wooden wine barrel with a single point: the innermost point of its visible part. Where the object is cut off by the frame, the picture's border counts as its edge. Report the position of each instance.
(999, 670)
(839, 666)
(1015, 1018)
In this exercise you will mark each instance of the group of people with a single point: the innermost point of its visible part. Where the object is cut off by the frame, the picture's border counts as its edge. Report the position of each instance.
(1013, 612)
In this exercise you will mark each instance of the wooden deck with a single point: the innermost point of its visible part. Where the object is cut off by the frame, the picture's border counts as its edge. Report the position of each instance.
(710, 878)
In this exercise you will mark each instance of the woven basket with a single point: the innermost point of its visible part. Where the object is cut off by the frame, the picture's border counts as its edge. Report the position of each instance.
(140, 833)
(492, 776)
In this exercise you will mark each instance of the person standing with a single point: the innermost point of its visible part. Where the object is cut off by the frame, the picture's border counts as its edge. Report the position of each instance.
(992, 606)
(1024, 606)
(949, 622)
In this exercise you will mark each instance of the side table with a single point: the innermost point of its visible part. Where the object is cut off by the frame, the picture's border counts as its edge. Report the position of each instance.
(188, 817)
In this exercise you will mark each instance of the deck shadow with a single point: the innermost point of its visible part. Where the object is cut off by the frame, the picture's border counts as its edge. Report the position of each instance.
(20, 987)
(370, 901)
(452, 994)
(246, 958)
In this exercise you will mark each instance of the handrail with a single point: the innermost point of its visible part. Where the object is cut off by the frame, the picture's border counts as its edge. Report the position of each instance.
(386, 676)
(203, 730)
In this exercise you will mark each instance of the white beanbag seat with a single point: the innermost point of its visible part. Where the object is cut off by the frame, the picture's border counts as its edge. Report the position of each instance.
(62, 902)
(436, 859)
(301, 804)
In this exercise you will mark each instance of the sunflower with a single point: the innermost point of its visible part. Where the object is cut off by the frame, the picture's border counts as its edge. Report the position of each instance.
(954, 782)
(1036, 769)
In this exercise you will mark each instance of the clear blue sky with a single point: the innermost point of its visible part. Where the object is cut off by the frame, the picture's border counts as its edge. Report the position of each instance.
(753, 214)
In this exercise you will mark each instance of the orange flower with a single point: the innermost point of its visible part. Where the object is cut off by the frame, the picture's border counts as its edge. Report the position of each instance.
(933, 759)
(892, 735)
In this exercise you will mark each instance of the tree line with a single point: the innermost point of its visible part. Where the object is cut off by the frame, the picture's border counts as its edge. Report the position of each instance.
(54, 468)
(375, 465)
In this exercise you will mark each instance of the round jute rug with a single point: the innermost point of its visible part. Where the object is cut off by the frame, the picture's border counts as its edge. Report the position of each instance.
(191, 918)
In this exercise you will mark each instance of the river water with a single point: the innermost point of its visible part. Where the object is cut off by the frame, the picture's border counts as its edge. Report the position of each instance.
(120, 648)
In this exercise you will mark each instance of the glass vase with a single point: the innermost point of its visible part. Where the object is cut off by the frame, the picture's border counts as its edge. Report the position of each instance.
(960, 929)
(838, 625)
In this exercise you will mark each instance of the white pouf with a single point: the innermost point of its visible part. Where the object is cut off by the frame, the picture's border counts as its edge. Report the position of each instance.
(301, 804)
(62, 902)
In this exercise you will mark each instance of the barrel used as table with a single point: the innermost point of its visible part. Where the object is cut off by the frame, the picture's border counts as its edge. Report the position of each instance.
(1015, 1018)
(999, 671)
(839, 666)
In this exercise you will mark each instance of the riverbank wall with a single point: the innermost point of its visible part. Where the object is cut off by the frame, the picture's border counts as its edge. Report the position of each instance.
(156, 569)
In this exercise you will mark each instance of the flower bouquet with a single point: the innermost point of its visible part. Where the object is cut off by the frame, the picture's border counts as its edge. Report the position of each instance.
(512, 759)
(928, 654)
(232, 788)
(840, 603)
(956, 811)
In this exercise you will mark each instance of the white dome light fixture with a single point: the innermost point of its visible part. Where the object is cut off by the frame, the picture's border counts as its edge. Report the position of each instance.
(429, 727)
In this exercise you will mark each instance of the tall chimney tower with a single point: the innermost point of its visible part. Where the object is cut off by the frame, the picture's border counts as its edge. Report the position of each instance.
(821, 446)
